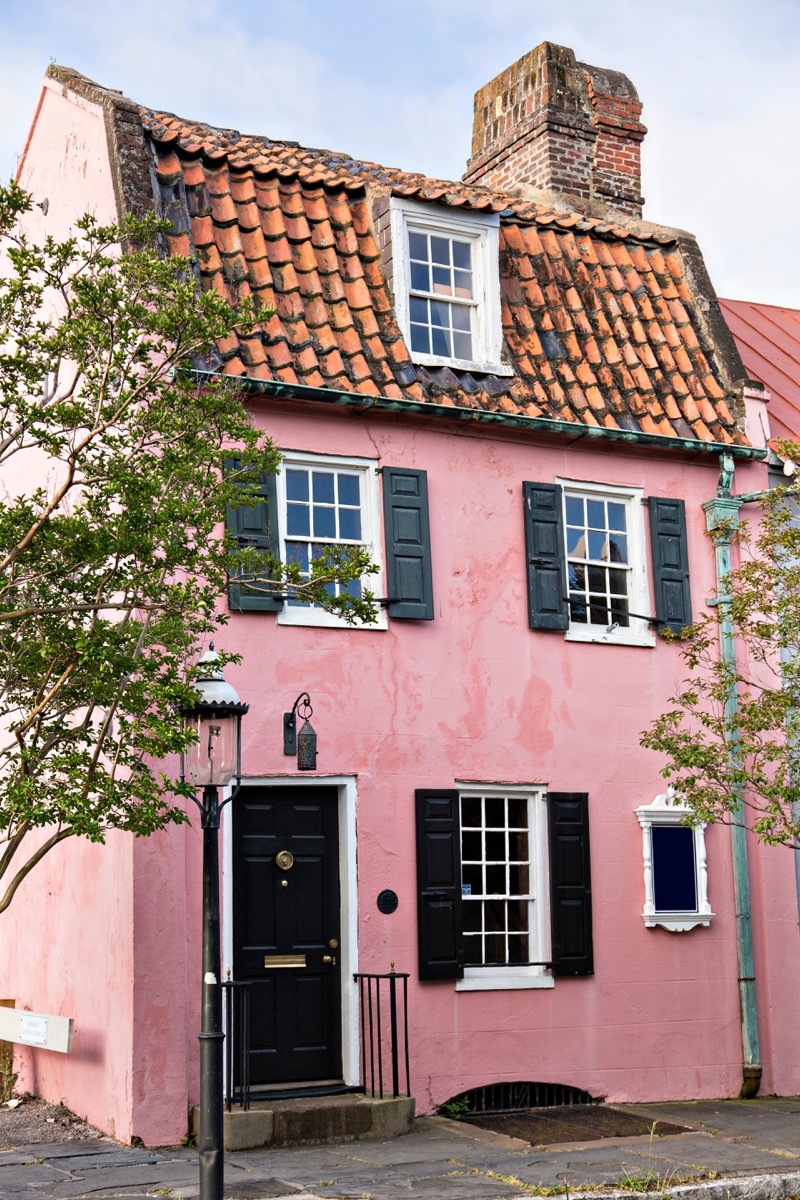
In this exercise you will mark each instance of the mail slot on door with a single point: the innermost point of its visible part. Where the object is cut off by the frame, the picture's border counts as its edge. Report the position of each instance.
(275, 961)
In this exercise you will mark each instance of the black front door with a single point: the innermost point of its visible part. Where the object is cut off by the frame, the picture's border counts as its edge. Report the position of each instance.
(287, 932)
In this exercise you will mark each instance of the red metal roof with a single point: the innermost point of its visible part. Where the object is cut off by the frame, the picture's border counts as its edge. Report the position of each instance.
(768, 338)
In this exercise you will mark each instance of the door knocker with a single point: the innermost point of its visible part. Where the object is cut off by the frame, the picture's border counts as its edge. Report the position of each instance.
(284, 859)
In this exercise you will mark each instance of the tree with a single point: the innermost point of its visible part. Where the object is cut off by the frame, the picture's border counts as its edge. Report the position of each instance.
(112, 542)
(732, 732)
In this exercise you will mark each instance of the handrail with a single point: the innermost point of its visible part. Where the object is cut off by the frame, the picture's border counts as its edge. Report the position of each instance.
(371, 1002)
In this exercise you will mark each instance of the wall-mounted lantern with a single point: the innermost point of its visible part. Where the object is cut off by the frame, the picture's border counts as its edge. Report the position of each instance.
(304, 743)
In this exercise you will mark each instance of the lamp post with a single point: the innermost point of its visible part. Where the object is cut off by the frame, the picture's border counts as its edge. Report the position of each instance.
(210, 762)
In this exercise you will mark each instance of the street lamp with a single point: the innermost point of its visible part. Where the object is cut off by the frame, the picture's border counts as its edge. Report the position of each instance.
(210, 762)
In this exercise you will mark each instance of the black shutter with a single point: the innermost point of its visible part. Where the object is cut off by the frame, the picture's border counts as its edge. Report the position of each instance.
(408, 543)
(548, 606)
(570, 883)
(439, 884)
(256, 525)
(670, 554)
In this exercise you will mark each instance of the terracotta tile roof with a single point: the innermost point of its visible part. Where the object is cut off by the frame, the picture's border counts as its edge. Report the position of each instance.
(600, 321)
(768, 338)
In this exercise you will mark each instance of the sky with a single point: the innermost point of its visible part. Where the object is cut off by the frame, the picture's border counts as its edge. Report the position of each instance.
(393, 81)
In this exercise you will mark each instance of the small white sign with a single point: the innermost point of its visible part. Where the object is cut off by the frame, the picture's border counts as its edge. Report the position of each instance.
(466, 889)
(33, 1029)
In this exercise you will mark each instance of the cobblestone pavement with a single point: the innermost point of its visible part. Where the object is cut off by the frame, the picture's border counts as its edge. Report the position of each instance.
(734, 1150)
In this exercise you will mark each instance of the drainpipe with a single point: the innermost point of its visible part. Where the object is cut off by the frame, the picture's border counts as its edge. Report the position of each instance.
(722, 521)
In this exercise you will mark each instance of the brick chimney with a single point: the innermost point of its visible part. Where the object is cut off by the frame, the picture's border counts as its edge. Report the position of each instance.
(562, 127)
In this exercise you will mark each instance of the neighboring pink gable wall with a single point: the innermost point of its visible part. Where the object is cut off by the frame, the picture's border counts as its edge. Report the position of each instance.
(66, 944)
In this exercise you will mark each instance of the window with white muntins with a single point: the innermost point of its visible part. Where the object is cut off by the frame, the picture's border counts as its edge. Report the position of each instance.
(606, 564)
(447, 286)
(325, 502)
(504, 888)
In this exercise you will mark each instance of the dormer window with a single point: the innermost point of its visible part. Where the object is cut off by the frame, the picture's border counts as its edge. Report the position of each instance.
(447, 286)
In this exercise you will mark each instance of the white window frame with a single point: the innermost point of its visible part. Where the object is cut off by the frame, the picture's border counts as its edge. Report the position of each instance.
(666, 809)
(483, 230)
(293, 614)
(638, 632)
(505, 978)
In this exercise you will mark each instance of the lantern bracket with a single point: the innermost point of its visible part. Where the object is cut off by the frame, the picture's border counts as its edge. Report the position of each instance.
(302, 705)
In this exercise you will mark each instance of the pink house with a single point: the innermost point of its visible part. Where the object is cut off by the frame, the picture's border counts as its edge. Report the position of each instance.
(517, 394)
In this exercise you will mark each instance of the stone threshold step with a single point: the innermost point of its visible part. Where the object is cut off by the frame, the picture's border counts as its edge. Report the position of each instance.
(313, 1120)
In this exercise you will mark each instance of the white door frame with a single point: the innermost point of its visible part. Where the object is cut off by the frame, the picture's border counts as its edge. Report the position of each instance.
(347, 798)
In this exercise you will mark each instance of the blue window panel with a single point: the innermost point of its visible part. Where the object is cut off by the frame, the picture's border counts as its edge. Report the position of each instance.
(674, 868)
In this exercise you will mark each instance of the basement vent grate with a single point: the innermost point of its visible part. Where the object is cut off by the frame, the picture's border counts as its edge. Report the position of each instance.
(514, 1097)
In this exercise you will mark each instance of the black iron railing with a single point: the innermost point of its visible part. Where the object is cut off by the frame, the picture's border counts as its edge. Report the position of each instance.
(237, 1043)
(379, 1009)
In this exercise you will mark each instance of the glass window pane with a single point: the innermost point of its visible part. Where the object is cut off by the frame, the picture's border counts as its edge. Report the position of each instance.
(494, 916)
(597, 545)
(470, 811)
(518, 846)
(576, 543)
(297, 552)
(518, 916)
(348, 489)
(442, 282)
(574, 510)
(518, 880)
(471, 916)
(473, 876)
(462, 254)
(352, 588)
(494, 950)
(350, 524)
(495, 846)
(518, 949)
(517, 812)
(462, 284)
(460, 317)
(598, 577)
(471, 847)
(596, 514)
(462, 345)
(418, 245)
(618, 549)
(617, 582)
(325, 523)
(495, 880)
(420, 339)
(440, 343)
(495, 812)
(440, 313)
(297, 522)
(440, 250)
(616, 516)
(323, 484)
(419, 310)
(577, 609)
(420, 278)
(674, 872)
(296, 484)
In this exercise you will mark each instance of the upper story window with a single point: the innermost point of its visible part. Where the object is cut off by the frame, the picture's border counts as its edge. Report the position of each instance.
(325, 502)
(605, 563)
(587, 562)
(447, 286)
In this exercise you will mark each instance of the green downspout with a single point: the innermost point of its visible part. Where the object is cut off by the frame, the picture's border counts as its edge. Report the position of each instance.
(722, 521)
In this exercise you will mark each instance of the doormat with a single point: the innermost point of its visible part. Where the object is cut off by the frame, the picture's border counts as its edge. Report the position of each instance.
(571, 1123)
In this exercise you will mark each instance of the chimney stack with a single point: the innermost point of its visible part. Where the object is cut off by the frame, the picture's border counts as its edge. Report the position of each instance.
(561, 127)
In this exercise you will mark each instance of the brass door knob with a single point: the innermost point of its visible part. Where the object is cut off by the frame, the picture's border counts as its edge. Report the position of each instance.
(328, 958)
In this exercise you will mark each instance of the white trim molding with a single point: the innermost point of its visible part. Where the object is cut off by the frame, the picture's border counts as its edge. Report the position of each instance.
(667, 811)
(482, 232)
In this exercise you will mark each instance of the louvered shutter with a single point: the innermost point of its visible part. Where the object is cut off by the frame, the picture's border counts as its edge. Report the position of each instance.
(256, 525)
(670, 556)
(408, 545)
(548, 606)
(439, 884)
(570, 883)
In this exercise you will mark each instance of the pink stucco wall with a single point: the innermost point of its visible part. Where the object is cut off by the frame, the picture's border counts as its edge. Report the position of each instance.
(110, 936)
